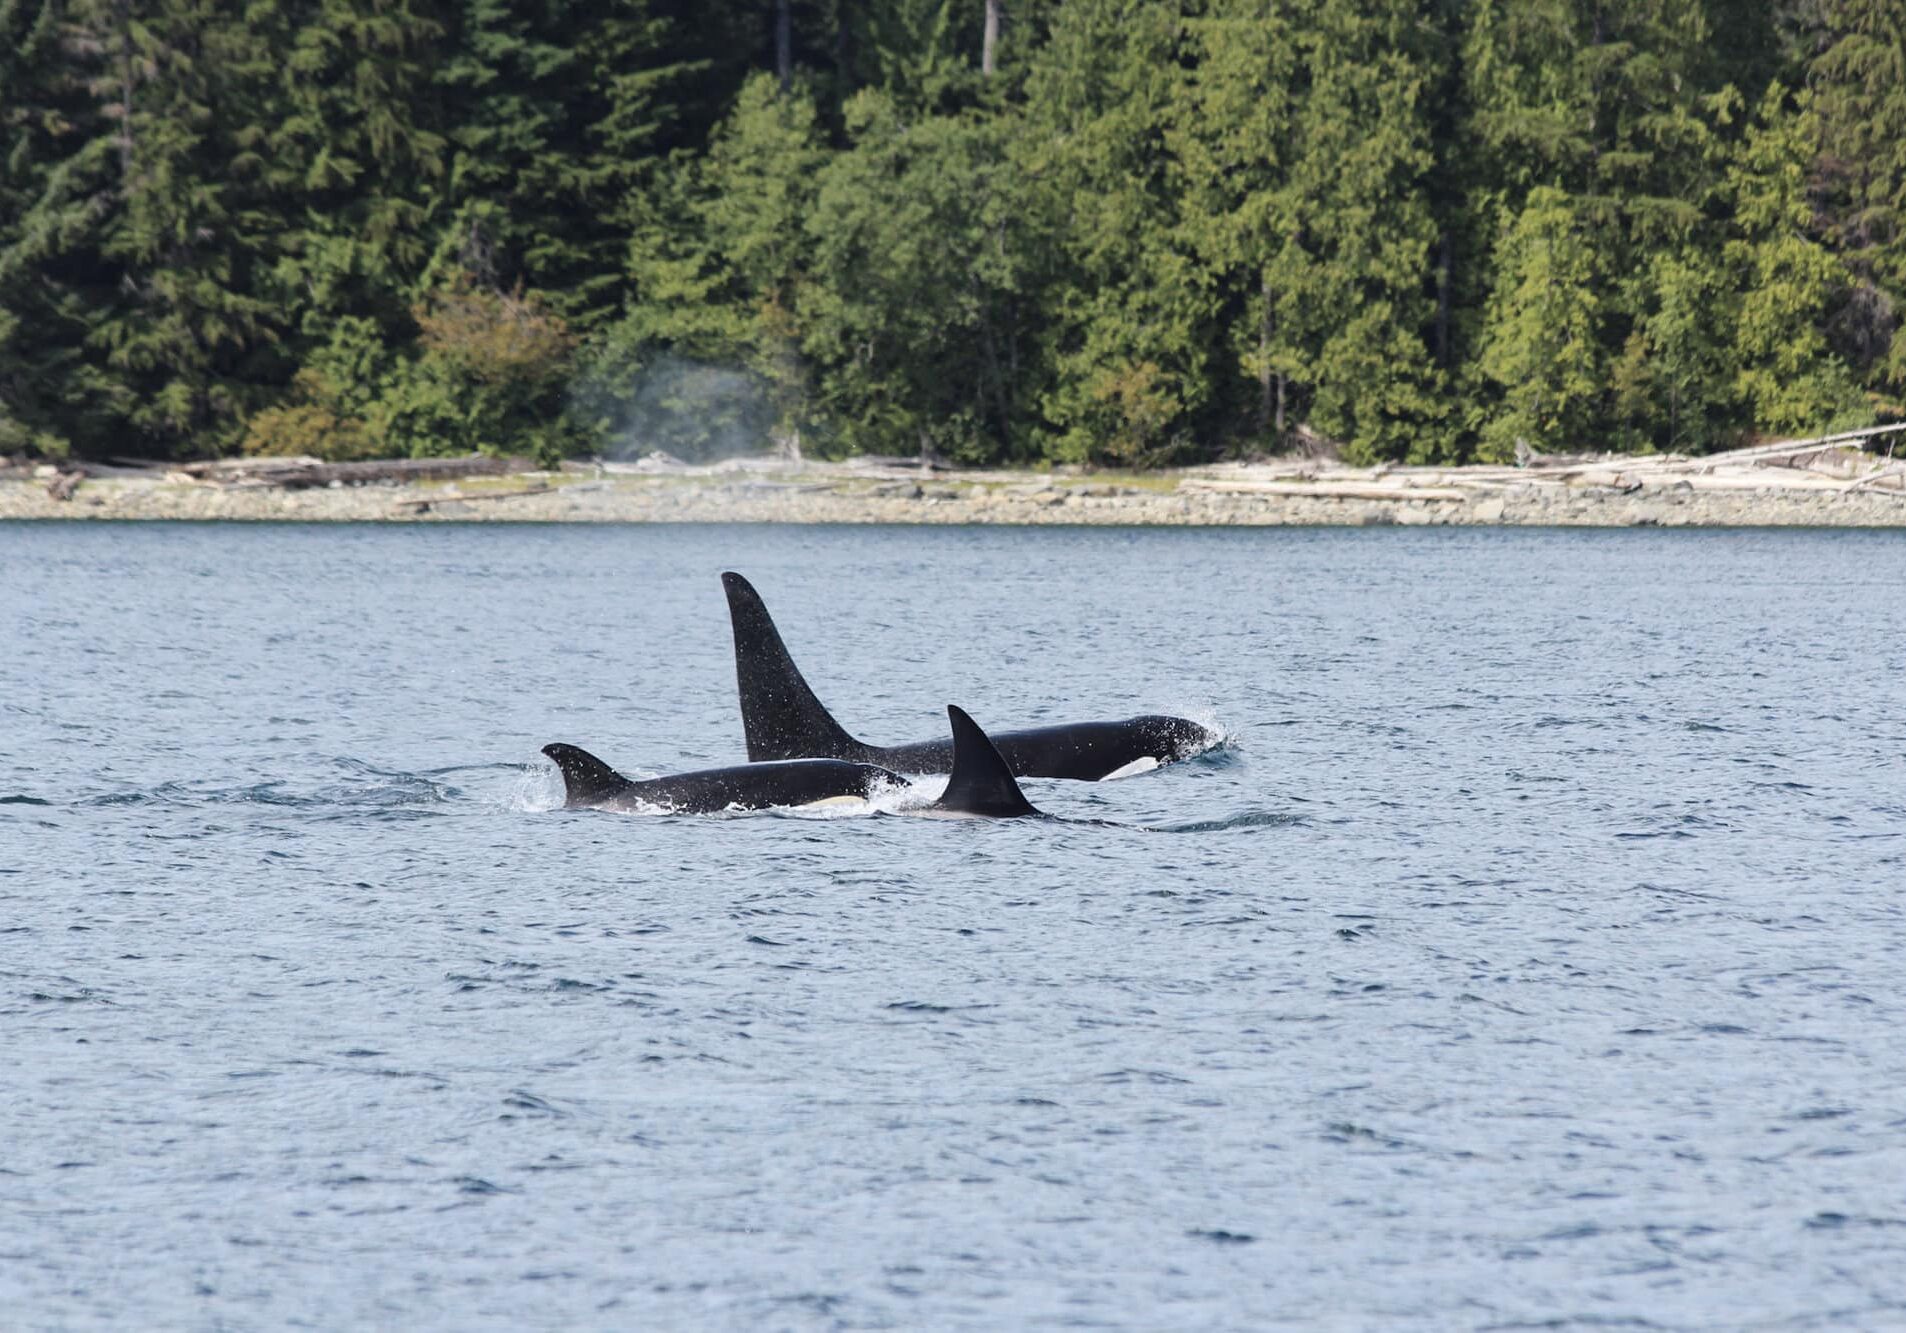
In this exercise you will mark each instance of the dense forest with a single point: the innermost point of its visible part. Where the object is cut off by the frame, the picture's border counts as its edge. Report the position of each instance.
(1108, 231)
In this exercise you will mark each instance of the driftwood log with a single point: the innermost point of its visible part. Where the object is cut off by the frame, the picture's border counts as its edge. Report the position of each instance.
(1325, 489)
(294, 473)
(302, 474)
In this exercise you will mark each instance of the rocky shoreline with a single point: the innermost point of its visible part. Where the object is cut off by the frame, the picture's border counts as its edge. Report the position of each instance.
(765, 491)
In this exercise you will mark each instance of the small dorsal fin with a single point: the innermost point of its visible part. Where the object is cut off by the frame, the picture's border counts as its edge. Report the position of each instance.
(779, 713)
(586, 779)
(981, 783)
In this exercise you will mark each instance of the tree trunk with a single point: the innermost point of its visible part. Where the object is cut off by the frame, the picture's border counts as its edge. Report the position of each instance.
(1265, 387)
(990, 42)
(1442, 300)
(784, 45)
(123, 16)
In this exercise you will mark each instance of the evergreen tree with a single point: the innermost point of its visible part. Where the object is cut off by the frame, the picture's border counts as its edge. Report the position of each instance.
(1543, 333)
(1788, 281)
(357, 155)
(913, 317)
(1364, 137)
(1860, 82)
(1304, 143)
(1109, 230)
(717, 259)
(192, 330)
(1128, 329)
(55, 165)
(1674, 382)
(1243, 219)
(137, 249)
(1592, 148)
(555, 113)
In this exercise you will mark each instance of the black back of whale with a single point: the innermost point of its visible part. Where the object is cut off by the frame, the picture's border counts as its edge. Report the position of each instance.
(784, 720)
(590, 783)
(980, 783)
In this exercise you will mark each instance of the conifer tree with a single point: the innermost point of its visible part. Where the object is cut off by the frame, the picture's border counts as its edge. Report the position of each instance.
(1591, 149)
(1140, 230)
(55, 165)
(1786, 374)
(1234, 131)
(913, 315)
(1128, 330)
(1859, 78)
(1543, 332)
(554, 114)
(1364, 138)
(1674, 382)
(138, 252)
(717, 260)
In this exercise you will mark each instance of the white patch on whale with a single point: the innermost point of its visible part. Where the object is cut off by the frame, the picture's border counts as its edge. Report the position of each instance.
(1145, 763)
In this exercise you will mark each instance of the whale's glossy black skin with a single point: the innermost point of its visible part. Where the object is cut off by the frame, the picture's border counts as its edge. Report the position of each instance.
(784, 720)
(590, 783)
(980, 783)
(979, 786)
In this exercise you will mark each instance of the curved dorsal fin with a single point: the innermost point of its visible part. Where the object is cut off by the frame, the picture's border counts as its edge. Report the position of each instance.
(981, 783)
(779, 713)
(586, 779)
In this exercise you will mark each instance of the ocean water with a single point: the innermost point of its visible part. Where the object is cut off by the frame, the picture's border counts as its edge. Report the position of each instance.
(1531, 954)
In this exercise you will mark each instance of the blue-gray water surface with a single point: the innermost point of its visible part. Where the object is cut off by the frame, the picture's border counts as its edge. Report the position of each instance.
(1531, 954)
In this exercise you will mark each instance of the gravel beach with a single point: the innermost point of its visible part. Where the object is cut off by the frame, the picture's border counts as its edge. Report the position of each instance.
(832, 493)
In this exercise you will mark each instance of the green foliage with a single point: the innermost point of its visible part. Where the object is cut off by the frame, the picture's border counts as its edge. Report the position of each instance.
(1128, 336)
(716, 258)
(910, 311)
(333, 410)
(1159, 230)
(1674, 382)
(1859, 85)
(1365, 223)
(1787, 376)
(1542, 344)
(487, 376)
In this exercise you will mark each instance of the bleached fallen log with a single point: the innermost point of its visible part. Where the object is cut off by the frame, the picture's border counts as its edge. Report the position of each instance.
(1781, 449)
(1324, 490)
(1742, 479)
(212, 466)
(1500, 483)
(397, 469)
(1878, 481)
(1603, 478)
(1843, 437)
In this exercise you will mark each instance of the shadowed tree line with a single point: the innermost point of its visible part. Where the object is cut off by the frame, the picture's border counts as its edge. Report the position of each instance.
(1114, 231)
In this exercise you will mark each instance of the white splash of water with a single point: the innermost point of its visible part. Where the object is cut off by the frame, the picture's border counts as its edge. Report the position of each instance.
(535, 789)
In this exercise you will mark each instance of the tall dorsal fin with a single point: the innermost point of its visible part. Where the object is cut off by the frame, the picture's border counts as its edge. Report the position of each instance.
(981, 783)
(586, 779)
(779, 713)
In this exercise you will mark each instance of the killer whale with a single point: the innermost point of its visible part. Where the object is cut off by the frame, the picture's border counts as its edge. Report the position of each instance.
(589, 783)
(783, 719)
(980, 785)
